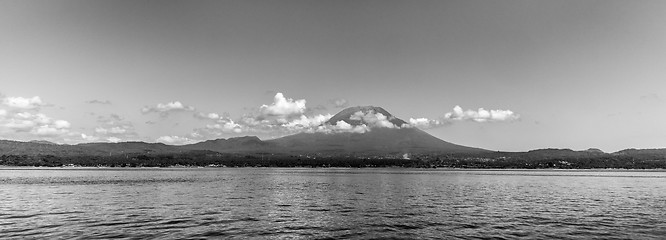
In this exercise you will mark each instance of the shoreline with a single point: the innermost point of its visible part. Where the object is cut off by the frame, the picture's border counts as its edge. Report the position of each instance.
(9, 167)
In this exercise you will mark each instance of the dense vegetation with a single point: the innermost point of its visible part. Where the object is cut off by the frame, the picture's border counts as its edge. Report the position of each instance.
(529, 160)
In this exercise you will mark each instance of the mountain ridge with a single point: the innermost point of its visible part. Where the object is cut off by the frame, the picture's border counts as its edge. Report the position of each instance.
(382, 135)
(13, 147)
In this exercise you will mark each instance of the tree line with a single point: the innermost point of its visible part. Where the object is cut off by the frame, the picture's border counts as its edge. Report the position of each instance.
(214, 159)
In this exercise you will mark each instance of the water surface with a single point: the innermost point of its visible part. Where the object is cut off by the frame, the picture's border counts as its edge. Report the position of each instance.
(330, 203)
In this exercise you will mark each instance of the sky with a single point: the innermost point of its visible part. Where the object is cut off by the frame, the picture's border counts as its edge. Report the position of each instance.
(503, 75)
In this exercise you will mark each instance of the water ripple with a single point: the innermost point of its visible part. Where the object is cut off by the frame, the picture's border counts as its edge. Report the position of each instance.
(331, 204)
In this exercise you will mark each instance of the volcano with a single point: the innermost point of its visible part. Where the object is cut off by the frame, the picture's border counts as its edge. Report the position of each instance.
(379, 133)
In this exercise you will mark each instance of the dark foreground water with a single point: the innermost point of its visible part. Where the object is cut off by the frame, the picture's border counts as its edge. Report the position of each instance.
(330, 203)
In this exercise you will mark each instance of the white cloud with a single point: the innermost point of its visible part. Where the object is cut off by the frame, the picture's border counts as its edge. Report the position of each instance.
(341, 127)
(305, 123)
(49, 130)
(19, 125)
(481, 115)
(283, 107)
(222, 125)
(33, 124)
(318, 123)
(284, 115)
(60, 124)
(373, 119)
(22, 120)
(175, 140)
(112, 130)
(113, 139)
(165, 108)
(252, 121)
(226, 125)
(213, 116)
(425, 123)
(23, 103)
(360, 129)
(88, 138)
(112, 127)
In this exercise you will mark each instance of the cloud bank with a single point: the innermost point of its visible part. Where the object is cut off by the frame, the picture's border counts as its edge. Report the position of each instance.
(22, 118)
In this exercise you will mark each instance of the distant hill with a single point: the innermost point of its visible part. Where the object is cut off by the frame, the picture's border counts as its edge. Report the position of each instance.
(84, 149)
(659, 153)
(564, 153)
(127, 147)
(239, 144)
(43, 142)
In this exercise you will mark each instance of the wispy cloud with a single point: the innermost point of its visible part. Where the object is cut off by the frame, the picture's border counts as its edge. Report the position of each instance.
(36, 124)
(165, 108)
(340, 102)
(653, 97)
(111, 128)
(102, 102)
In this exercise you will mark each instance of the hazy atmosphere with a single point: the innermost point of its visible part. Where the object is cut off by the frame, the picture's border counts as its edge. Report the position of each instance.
(499, 75)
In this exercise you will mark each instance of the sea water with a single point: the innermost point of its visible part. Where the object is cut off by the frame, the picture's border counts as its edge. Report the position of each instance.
(301, 203)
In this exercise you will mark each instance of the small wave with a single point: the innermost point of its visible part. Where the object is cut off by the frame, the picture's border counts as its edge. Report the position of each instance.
(22, 216)
(319, 209)
(214, 233)
(110, 224)
(67, 181)
(407, 226)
